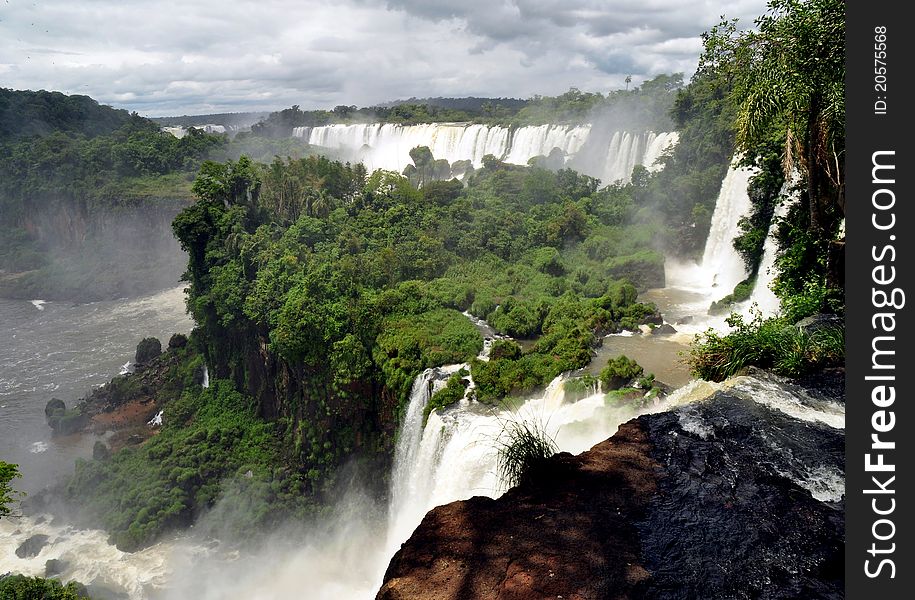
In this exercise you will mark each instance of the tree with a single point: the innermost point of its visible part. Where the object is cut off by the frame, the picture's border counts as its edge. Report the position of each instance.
(8, 495)
(424, 161)
(789, 76)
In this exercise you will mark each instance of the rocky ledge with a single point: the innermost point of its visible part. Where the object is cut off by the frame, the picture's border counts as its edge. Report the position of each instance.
(129, 403)
(726, 498)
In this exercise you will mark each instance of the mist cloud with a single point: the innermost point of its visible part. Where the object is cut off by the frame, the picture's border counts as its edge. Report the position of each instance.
(162, 57)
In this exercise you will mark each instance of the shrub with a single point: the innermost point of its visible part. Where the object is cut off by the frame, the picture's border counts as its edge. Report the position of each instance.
(20, 587)
(148, 349)
(506, 349)
(620, 371)
(770, 344)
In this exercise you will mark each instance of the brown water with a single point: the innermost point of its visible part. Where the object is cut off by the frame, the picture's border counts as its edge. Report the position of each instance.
(656, 354)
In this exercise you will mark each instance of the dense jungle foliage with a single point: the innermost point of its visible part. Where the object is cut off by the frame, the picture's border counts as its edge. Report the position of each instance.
(786, 92)
(321, 292)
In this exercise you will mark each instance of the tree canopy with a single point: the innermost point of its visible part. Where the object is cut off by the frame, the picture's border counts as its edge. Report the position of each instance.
(8, 472)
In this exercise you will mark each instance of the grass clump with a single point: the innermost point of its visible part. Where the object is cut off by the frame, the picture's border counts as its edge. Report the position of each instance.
(524, 448)
(773, 343)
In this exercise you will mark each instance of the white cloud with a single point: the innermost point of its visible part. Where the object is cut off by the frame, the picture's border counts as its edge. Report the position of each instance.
(164, 57)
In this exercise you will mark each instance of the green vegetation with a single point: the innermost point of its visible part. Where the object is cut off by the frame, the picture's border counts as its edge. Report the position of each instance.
(8, 472)
(148, 349)
(320, 292)
(774, 344)
(452, 393)
(787, 96)
(620, 371)
(524, 447)
(24, 114)
(20, 587)
(211, 448)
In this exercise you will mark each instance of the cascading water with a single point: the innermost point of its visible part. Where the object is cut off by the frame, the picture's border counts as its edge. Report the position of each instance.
(722, 266)
(763, 296)
(387, 146)
(691, 287)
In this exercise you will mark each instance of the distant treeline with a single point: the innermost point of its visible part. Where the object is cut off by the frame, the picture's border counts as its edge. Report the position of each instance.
(640, 108)
(25, 114)
(469, 103)
(241, 119)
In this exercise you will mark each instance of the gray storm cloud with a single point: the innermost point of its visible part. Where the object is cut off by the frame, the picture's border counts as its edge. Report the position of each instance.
(162, 57)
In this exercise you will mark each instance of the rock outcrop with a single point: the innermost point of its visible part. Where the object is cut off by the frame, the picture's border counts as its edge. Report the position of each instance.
(722, 499)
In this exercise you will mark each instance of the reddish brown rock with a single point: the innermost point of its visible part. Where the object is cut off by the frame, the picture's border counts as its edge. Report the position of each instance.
(725, 498)
(570, 535)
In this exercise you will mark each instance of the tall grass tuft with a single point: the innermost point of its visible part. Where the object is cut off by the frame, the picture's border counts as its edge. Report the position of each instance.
(524, 447)
(767, 343)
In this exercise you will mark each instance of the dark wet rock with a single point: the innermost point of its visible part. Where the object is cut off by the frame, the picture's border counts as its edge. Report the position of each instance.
(147, 350)
(819, 322)
(63, 421)
(565, 533)
(731, 519)
(711, 500)
(654, 318)
(32, 546)
(684, 320)
(55, 566)
(828, 382)
(664, 329)
(100, 451)
(54, 407)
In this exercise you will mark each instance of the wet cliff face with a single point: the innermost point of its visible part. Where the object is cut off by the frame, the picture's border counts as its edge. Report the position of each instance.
(96, 252)
(726, 498)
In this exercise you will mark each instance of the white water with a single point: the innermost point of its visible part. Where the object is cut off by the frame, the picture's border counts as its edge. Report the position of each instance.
(722, 266)
(763, 296)
(206, 377)
(387, 146)
(90, 558)
(696, 286)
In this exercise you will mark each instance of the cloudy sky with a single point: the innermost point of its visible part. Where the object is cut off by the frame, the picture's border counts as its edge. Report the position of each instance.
(167, 57)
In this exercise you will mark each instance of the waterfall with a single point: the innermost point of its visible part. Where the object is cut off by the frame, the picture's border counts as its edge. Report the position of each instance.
(455, 456)
(763, 296)
(206, 377)
(388, 145)
(722, 266)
